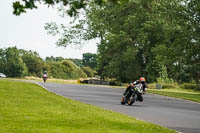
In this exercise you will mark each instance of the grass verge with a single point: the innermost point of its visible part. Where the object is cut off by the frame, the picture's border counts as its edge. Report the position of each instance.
(26, 107)
(52, 80)
(187, 94)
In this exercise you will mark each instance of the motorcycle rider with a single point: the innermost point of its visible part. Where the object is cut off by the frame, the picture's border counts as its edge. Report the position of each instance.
(45, 76)
(142, 80)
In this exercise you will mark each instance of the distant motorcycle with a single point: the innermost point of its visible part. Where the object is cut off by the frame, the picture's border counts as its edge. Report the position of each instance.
(133, 95)
(45, 78)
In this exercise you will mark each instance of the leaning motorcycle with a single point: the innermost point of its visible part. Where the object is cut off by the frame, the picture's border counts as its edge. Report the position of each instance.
(133, 95)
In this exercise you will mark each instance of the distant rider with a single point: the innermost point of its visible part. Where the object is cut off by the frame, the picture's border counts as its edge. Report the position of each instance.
(45, 76)
(142, 81)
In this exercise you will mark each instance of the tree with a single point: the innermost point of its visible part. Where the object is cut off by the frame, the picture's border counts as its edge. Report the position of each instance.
(158, 32)
(78, 62)
(33, 61)
(11, 63)
(88, 71)
(90, 60)
(74, 5)
(155, 39)
(54, 59)
(192, 54)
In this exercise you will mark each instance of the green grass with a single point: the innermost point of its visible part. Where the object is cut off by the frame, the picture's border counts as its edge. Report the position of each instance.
(28, 108)
(188, 94)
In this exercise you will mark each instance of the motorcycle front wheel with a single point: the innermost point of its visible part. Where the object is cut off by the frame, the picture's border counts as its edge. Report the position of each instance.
(122, 100)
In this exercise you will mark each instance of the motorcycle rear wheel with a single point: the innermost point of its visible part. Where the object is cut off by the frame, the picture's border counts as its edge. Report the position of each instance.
(132, 100)
(44, 79)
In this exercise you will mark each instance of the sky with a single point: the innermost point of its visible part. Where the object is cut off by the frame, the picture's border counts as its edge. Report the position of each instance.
(27, 32)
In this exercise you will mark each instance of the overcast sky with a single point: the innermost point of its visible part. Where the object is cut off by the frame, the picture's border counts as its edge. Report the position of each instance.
(27, 32)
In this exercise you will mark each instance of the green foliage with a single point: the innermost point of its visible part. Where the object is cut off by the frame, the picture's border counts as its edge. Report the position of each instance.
(122, 65)
(119, 56)
(90, 60)
(163, 76)
(155, 39)
(11, 63)
(73, 70)
(74, 5)
(78, 62)
(190, 86)
(65, 70)
(169, 86)
(19, 63)
(18, 8)
(158, 33)
(57, 70)
(33, 61)
(54, 59)
(90, 72)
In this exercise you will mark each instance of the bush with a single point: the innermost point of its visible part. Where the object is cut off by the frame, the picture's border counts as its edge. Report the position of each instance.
(73, 71)
(65, 70)
(88, 71)
(170, 86)
(151, 86)
(164, 86)
(57, 70)
(190, 86)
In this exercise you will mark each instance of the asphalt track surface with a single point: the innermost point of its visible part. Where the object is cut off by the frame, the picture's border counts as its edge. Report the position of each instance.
(177, 114)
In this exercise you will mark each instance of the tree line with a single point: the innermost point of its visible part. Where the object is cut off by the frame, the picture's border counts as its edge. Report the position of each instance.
(16, 62)
(155, 39)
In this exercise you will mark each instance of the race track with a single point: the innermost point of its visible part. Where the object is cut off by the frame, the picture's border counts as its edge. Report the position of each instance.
(181, 115)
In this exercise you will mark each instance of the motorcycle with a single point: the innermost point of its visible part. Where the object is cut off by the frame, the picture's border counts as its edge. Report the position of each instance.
(133, 95)
(45, 78)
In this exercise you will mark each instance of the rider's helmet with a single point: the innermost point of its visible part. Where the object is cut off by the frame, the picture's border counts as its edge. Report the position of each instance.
(142, 79)
(45, 72)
